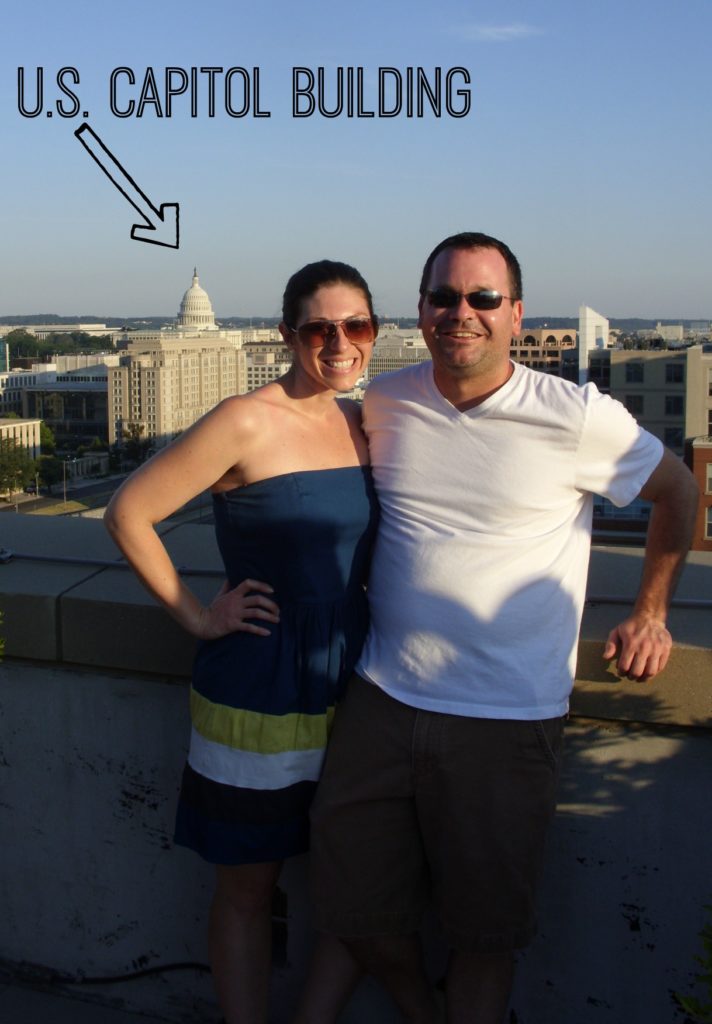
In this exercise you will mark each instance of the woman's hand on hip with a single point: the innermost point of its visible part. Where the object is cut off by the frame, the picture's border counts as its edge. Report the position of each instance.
(233, 610)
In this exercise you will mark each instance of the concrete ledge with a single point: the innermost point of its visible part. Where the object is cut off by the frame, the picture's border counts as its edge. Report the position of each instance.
(88, 614)
(681, 695)
(31, 591)
(109, 621)
(99, 615)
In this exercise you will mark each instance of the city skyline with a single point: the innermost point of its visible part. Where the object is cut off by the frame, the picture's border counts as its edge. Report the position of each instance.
(91, 318)
(169, 319)
(583, 150)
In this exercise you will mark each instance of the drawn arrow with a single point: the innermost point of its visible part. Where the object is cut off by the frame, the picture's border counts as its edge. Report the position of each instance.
(168, 215)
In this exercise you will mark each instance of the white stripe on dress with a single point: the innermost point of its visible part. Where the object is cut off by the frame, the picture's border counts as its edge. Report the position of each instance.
(253, 771)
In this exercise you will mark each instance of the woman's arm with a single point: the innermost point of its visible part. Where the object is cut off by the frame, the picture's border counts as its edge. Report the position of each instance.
(192, 463)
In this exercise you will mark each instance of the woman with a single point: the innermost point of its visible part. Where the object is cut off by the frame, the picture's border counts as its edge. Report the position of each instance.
(295, 515)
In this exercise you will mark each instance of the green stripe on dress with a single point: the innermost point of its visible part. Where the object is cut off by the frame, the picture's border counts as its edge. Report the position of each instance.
(258, 732)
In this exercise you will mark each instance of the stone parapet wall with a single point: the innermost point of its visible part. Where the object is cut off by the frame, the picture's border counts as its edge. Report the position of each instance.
(93, 734)
(68, 597)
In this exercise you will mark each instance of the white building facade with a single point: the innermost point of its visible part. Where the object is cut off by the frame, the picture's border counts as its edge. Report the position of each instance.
(592, 335)
(24, 432)
(168, 379)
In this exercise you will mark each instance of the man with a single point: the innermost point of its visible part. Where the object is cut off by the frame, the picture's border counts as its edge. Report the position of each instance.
(440, 778)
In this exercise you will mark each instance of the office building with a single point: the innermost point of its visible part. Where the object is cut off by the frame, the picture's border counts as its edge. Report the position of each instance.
(43, 331)
(698, 456)
(24, 432)
(265, 363)
(168, 379)
(73, 405)
(544, 349)
(669, 392)
(670, 332)
(395, 348)
(14, 382)
(592, 336)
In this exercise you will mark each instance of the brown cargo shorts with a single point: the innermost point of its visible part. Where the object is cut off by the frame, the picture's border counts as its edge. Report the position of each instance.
(416, 805)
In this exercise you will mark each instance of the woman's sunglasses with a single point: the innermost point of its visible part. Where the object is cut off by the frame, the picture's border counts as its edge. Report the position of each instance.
(360, 330)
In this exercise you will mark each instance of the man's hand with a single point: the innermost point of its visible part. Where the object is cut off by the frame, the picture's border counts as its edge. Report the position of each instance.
(641, 646)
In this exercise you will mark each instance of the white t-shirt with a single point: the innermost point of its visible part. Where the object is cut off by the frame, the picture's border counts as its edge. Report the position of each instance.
(479, 572)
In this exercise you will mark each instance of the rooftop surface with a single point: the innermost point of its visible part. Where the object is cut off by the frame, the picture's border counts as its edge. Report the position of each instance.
(94, 725)
(21, 1004)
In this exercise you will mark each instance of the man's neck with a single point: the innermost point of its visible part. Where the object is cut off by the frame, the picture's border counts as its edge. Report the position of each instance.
(467, 392)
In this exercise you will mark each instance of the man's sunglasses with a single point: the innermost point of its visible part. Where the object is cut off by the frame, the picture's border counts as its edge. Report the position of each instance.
(446, 298)
(360, 330)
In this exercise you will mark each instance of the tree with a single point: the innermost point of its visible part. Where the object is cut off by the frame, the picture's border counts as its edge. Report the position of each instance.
(115, 458)
(16, 466)
(26, 345)
(22, 343)
(50, 470)
(48, 444)
(135, 445)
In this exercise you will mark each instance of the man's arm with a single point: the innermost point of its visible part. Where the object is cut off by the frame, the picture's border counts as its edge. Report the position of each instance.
(642, 643)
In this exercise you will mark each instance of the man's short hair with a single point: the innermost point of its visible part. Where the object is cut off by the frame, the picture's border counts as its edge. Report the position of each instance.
(476, 240)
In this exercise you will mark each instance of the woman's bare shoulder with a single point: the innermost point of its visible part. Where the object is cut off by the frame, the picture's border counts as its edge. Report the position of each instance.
(251, 410)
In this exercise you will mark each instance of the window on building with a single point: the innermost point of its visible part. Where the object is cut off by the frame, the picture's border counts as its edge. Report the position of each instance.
(634, 404)
(600, 374)
(708, 483)
(674, 405)
(708, 524)
(674, 373)
(634, 373)
(673, 437)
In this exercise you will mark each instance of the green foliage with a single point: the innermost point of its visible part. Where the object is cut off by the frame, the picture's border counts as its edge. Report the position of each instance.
(76, 341)
(49, 469)
(135, 445)
(699, 1010)
(16, 466)
(21, 343)
(47, 441)
(115, 458)
(24, 344)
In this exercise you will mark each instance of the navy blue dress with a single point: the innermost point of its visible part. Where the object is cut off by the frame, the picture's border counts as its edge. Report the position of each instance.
(261, 707)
